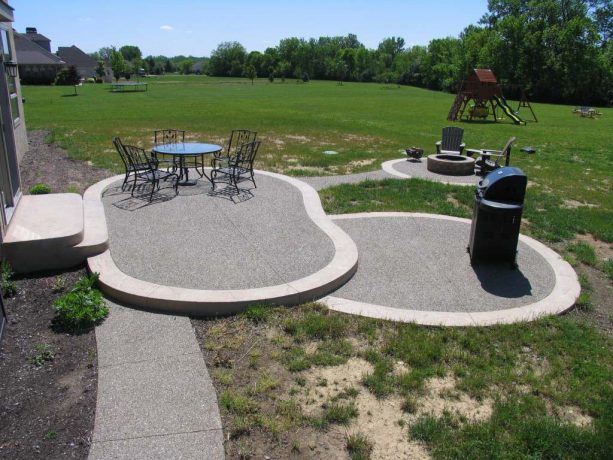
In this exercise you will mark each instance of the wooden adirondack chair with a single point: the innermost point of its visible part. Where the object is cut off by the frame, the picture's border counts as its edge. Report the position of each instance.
(451, 142)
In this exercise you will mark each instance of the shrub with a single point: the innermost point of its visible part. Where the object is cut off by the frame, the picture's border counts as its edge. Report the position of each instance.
(271, 77)
(91, 80)
(40, 189)
(67, 77)
(42, 353)
(7, 285)
(82, 307)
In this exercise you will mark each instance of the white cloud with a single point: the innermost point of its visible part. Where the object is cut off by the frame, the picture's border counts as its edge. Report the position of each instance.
(167, 27)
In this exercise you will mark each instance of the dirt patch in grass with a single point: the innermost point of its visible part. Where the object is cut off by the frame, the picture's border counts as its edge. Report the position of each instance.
(47, 163)
(574, 204)
(46, 408)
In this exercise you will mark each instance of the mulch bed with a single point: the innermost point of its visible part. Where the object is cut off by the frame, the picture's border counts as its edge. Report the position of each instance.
(47, 411)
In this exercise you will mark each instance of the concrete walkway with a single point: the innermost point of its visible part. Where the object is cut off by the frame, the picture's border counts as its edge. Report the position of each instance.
(155, 397)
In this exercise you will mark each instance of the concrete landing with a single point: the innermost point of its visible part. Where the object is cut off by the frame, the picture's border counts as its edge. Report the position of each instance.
(54, 231)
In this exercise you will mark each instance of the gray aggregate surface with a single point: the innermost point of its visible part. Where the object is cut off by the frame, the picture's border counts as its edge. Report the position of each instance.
(155, 397)
(205, 240)
(419, 169)
(422, 264)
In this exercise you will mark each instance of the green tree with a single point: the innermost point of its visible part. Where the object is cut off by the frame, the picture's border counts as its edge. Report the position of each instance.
(118, 63)
(250, 72)
(227, 59)
(100, 69)
(185, 67)
(130, 52)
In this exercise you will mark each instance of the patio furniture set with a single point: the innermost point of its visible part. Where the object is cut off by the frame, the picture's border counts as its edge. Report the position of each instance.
(171, 158)
(586, 112)
(449, 158)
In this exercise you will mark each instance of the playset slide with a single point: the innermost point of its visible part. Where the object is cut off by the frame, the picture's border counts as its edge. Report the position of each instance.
(508, 111)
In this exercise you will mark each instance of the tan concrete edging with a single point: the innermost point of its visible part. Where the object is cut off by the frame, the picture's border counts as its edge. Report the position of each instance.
(562, 298)
(215, 302)
(96, 237)
(388, 167)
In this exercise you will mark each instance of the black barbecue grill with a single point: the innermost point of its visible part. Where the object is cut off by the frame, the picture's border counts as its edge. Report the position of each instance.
(499, 202)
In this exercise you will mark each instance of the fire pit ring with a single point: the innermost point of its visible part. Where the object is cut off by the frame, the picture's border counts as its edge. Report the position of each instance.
(451, 165)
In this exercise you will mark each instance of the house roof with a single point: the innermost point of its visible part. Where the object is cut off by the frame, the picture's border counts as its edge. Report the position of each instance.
(485, 76)
(29, 52)
(72, 55)
(36, 37)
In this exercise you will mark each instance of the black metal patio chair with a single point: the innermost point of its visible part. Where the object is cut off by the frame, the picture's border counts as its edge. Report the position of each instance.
(167, 136)
(130, 167)
(237, 168)
(238, 137)
(146, 169)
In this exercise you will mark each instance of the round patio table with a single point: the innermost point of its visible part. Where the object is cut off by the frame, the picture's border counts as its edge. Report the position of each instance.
(183, 150)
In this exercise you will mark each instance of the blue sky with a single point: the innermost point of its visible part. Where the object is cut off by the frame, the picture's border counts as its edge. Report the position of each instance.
(197, 27)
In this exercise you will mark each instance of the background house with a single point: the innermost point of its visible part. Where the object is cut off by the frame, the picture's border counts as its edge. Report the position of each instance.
(37, 64)
(73, 56)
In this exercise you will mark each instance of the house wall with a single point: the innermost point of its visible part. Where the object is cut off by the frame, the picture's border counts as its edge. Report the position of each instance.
(86, 72)
(38, 74)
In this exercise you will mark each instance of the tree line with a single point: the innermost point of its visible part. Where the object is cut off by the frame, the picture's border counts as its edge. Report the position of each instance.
(557, 50)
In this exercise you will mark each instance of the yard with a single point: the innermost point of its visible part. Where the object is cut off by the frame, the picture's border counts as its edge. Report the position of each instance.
(309, 382)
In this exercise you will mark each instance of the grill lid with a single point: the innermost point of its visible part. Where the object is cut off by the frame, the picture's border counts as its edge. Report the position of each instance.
(507, 184)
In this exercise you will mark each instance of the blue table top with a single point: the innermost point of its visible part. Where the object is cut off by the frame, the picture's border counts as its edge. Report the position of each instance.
(187, 148)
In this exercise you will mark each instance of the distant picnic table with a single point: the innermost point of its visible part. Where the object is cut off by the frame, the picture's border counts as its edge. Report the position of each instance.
(128, 86)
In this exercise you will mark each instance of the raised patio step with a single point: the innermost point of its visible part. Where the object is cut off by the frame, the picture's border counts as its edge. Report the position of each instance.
(52, 232)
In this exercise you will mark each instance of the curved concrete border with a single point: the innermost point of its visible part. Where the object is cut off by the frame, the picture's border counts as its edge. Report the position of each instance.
(561, 299)
(388, 167)
(215, 302)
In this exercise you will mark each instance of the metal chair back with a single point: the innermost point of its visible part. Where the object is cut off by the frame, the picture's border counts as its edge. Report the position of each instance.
(452, 138)
(168, 136)
(239, 137)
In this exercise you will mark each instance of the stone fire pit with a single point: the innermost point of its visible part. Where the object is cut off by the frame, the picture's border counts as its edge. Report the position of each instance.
(451, 165)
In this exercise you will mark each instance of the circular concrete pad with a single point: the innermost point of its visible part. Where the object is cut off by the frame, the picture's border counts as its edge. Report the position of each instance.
(407, 169)
(415, 267)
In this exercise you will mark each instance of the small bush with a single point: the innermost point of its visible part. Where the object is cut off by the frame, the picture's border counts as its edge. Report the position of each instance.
(339, 413)
(40, 189)
(358, 446)
(67, 77)
(7, 285)
(82, 307)
(42, 353)
(90, 80)
(59, 284)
